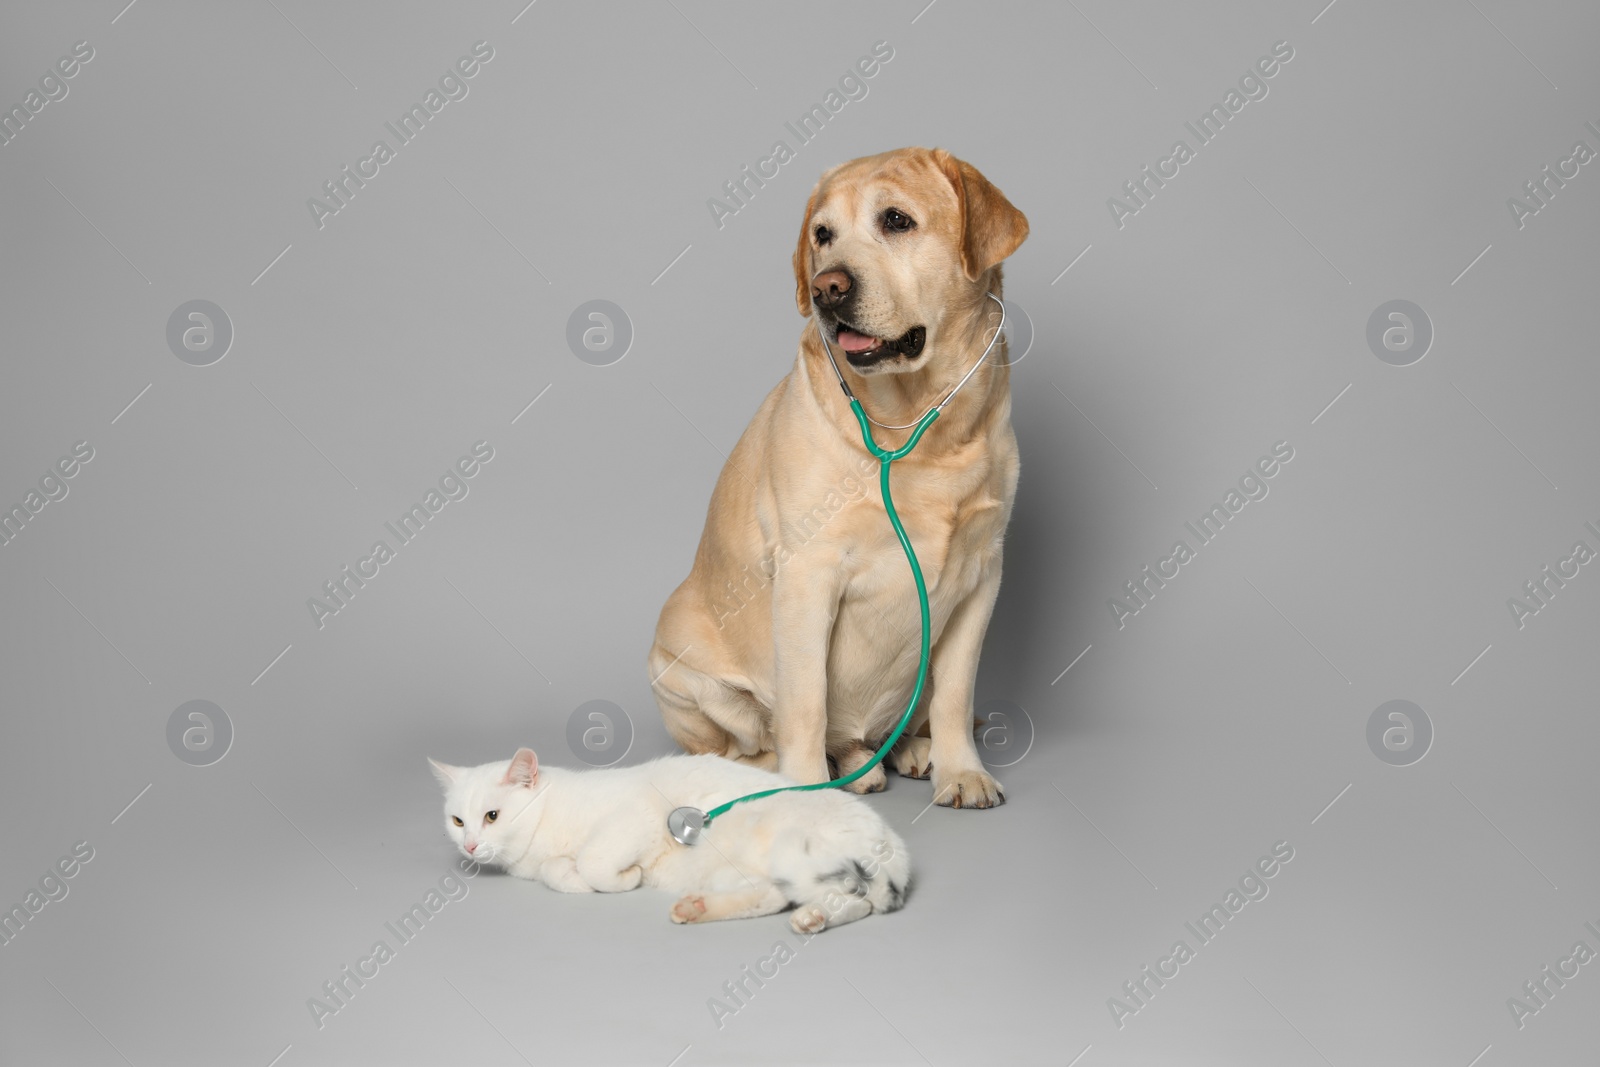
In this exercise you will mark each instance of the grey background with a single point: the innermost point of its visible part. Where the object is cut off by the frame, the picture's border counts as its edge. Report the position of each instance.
(370, 354)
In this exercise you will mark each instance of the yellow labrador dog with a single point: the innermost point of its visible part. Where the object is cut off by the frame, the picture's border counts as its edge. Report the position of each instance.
(796, 637)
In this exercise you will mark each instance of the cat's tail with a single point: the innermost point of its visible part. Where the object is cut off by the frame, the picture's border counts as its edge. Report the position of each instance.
(861, 875)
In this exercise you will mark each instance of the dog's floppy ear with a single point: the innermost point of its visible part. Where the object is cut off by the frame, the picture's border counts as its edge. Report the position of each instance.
(991, 228)
(802, 270)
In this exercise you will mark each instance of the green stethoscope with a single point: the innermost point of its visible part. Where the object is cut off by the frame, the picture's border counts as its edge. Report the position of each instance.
(687, 823)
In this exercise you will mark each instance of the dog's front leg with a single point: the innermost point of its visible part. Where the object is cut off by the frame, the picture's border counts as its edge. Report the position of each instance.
(959, 779)
(805, 600)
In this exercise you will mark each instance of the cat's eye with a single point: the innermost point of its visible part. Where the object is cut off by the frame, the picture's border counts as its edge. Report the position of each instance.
(457, 820)
(491, 816)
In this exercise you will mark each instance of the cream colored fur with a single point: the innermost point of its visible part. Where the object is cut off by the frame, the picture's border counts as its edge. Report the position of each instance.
(795, 637)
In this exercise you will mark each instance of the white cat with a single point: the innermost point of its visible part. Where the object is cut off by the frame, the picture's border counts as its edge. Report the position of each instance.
(605, 831)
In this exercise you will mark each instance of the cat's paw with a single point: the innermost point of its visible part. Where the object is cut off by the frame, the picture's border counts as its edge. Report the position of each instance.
(966, 789)
(912, 757)
(561, 874)
(808, 919)
(612, 881)
(689, 909)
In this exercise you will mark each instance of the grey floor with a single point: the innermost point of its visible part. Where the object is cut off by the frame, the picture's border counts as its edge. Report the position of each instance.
(1171, 343)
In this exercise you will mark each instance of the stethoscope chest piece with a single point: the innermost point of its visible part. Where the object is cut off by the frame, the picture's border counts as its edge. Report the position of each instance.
(685, 825)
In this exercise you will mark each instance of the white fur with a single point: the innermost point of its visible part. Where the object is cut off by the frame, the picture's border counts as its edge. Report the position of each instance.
(606, 831)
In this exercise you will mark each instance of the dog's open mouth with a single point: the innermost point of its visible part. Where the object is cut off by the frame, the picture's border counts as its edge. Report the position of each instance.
(863, 350)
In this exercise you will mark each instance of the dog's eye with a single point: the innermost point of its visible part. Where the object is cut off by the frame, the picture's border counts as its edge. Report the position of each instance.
(824, 235)
(491, 816)
(457, 820)
(897, 221)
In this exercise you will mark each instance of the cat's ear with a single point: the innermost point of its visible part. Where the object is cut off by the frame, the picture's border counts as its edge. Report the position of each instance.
(524, 769)
(444, 772)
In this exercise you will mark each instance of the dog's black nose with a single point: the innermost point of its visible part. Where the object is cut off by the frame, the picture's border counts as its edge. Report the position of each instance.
(829, 288)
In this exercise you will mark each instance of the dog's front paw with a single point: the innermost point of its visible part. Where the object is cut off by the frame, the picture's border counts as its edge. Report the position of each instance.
(913, 757)
(966, 789)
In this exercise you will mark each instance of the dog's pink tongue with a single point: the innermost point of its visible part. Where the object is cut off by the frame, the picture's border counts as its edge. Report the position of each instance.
(851, 341)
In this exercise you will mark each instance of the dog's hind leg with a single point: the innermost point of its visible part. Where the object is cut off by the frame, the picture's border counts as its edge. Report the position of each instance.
(767, 760)
(850, 760)
(706, 714)
(912, 756)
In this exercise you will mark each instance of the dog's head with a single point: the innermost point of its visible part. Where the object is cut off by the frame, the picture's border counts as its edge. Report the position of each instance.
(891, 245)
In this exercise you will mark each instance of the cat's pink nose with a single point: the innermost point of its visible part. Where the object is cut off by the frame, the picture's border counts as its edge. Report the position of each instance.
(472, 846)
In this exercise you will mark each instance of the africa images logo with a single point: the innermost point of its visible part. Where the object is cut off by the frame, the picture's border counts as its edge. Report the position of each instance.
(453, 485)
(452, 86)
(806, 128)
(1252, 86)
(1207, 528)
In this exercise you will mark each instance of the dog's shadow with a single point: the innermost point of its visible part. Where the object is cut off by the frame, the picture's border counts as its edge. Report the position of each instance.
(1037, 627)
